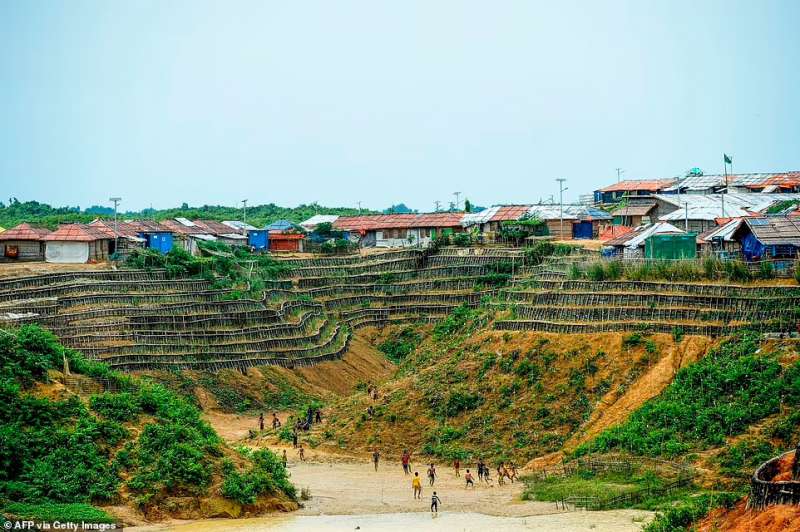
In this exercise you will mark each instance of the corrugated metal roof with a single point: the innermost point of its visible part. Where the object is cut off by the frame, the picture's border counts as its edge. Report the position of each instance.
(507, 213)
(280, 225)
(147, 226)
(237, 225)
(614, 232)
(634, 210)
(213, 227)
(753, 180)
(570, 212)
(24, 231)
(398, 221)
(775, 230)
(314, 221)
(474, 218)
(709, 206)
(76, 233)
(652, 185)
(177, 226)
(640, 234)
(725, 231)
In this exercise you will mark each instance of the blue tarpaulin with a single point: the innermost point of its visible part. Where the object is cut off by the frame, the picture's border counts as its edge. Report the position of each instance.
(752, 248)
(258, 239)
(280, 225)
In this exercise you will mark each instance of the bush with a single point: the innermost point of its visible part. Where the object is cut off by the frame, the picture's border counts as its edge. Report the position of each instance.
(682, 515)
(400, 346)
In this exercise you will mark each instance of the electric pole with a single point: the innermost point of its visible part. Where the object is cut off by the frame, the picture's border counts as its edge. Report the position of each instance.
(561, 190)
(244, 216)
(436, 205)
(620, 171)
(116, 224)
(457, 194)
(359, 207)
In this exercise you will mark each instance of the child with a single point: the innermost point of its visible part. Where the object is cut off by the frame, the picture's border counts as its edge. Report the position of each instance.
(302, 453)
(284, 458)
(375, 457)
(416, 484)
(431, 474)
(468, 478)
(457, 466)
(406, 459)
(435, 503)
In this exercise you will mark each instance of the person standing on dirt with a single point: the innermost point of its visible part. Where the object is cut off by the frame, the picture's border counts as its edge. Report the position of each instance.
(457, 467)
(435, 503)
(432, 474)
(406, 459)
(318, 416)
(294, 438)
(276, 423)
(302, 453)
(261, 421)
(469, 479)
(481, 465)
(416, 485)
(376, 456)
(309, 417)
(283, 459)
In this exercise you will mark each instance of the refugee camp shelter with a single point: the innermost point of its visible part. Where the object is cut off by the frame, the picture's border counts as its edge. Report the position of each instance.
(399, 230)
(671, 246)
(312, 223)
(122, 237)
(719, 240)
(769, 237)
(631, 188)
(703, 211)
(222, 232)
(257, 239)
(579, 221)
(186, 234)
(23, 242)
(285, 241)
(76, 244)
(631, 245)
(491, 220)
(634, 214)
(156, 236)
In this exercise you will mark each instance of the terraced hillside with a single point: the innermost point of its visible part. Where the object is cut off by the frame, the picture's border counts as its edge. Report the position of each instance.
(144, 320)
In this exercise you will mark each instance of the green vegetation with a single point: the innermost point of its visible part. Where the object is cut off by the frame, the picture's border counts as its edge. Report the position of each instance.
(708, 269)
(91, 449)
(266, 475)
(536, 254)
(258, 215)
(400, 346)
(717, 397)
(48, 511)
(689, 509)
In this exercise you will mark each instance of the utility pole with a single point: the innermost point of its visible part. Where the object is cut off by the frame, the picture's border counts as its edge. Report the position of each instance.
(359, 207)
(116, 224)
(686, 216)
(620, 171)
(561, 190)
(456, 194)
(436, 205)
(244, 215)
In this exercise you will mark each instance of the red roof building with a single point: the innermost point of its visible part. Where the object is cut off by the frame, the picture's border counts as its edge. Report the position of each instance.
(23, 242)
(284, 241)
(77, 244)
(631, 188)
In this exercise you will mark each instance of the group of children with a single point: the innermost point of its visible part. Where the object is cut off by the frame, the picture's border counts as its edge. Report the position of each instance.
(505, 470)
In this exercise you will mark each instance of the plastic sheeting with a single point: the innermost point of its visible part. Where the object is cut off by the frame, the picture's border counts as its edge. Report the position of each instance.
(751, 247)
(61, 252)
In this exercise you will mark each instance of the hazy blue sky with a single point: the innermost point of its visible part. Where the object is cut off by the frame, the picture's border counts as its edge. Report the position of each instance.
(163, 102)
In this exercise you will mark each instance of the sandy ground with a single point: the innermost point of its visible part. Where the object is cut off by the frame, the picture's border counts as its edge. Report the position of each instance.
(23, 269)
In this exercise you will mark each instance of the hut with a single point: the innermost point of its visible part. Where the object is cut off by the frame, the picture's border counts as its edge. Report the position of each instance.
(631, 245)
(186, 234)
(631, 188)
(285, 241)
(633, 215)
(490, 221)
(223, 233)
(156, 236)
(122, 238)
(775, 238)
(579, 221)
(23, 242)
(257, 239)
(399, 230)
(77, 244)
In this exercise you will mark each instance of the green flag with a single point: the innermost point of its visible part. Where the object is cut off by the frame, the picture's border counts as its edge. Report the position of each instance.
(728, 160)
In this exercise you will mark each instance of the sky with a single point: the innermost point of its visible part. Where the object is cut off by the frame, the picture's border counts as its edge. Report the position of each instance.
(165, 102)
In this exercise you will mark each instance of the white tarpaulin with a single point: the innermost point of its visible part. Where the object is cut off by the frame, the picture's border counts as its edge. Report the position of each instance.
(66, 252)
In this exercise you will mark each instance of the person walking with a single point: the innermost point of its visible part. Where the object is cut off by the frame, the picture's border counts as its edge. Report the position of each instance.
(376, 456)
(302, 453)
(294, 438)
(283, 459)
(261, 421)
(416, 485)
(457, 467)
(276, 423)
(432, 474)
(480, 468)
(406, 460)
(435, 501)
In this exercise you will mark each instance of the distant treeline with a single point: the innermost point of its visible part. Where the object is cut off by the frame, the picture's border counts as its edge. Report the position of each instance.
(15, 212)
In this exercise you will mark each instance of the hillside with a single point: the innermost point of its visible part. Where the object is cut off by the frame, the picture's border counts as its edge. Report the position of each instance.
(117, 445)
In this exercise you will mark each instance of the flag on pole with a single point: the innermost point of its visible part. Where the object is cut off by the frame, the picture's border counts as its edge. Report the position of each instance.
(727, 158)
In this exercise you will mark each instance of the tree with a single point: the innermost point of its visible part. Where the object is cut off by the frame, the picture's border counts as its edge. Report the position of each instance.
(467, 205)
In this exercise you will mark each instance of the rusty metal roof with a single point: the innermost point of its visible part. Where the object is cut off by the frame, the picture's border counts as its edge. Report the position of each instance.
(24, 231)
(398, 221)
(76, 233)
(509, 212)
(177, 227)
(147, 226)
(651, 185)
